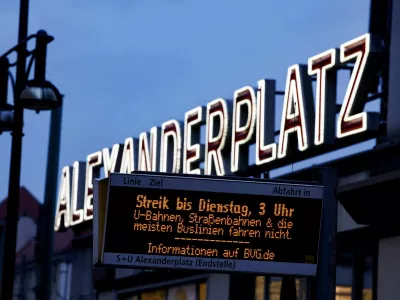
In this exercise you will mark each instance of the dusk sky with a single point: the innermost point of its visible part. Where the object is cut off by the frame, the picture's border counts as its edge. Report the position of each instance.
(127, 65)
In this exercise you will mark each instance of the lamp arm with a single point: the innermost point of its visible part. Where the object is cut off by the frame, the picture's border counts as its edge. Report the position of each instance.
(28, 69)
(12, 83)
(23, 42)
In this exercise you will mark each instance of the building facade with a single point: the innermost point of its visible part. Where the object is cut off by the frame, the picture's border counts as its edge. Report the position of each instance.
(74, 277)
(66, 260)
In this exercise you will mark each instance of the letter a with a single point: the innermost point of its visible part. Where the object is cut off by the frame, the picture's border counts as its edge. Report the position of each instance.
(298, 110)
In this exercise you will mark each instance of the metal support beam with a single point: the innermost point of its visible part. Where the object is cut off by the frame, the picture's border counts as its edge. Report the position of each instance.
(242, 286)
(375, 269)
(7, 285)
(45, 237)
(326, 272)
(4, 64)
(357, 277)
(2, 233)
(267, 284)
(288, 289)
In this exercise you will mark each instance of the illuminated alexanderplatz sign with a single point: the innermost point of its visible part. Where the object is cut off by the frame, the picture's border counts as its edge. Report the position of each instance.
(307, 124)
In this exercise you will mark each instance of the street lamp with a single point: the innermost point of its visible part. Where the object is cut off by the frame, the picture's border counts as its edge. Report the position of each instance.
(39, 95)
(6, 110)
(6, 120)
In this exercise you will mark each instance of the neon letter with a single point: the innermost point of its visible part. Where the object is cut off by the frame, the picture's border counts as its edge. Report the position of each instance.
(78, 185)
(171, 157)
(242, 132)
(148, 154)
(93, 164)
(192, 153)
(216, 135)
(63, 200)
(265, 123)
(349, 123)
(297, 113)
(325, 102)
(110, 162)
(128, 156)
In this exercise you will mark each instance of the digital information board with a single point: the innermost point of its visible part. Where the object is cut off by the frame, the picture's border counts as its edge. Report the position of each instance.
(217, 225)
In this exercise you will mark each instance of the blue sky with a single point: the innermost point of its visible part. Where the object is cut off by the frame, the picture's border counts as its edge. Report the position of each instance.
(125, 66)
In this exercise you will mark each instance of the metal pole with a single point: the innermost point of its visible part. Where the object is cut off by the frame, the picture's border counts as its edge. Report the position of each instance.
(357, 283)
(326, 272)
(46, 236)
(267, 284)
(2, 232)
(7, 285)
(288, 289)
(23, 267)
(4, 65)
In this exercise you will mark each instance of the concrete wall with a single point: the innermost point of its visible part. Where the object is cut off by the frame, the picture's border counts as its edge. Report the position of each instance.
(393, 120)
(389, 269)
(121, 273)
(218, 287)
(26, 231)
(389, 249)
(344, 221)
(107, 296)
(81, 281)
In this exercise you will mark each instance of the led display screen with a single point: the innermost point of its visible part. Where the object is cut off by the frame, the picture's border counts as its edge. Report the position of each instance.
(214, 225)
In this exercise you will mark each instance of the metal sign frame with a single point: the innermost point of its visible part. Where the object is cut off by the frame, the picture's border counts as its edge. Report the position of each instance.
(206, 184)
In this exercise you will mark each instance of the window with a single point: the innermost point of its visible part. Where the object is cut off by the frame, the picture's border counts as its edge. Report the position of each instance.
(275, 289)
(343, 292)
(186, 292)
(203, 291)
(260, 288)
(17, 281)
(30, 278)
(367, 294)
(153, 295)
(63, 281)
(181, 292)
